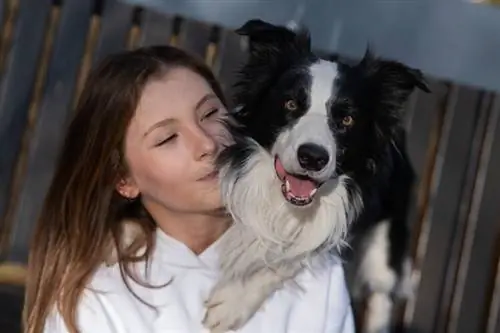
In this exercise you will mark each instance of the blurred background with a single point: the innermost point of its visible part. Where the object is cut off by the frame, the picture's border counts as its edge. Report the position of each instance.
(48, 46)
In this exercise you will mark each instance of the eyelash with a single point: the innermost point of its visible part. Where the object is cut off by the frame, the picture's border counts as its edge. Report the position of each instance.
(167, 140)
(172, 137)
(210, 113)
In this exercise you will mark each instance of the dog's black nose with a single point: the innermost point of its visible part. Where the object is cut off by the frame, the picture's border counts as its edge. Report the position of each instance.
(312, 157)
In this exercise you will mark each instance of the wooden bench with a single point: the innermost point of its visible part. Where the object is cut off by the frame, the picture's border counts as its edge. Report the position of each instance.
(47, 49)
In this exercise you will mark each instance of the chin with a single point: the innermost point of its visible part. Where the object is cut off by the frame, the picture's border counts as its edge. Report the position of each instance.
(315, 143)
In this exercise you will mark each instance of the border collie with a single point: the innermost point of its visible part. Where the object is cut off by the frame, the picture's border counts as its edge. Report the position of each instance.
(318, 151)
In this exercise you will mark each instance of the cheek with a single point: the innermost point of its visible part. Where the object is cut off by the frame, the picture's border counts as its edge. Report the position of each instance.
(172, 182)
(158, 169)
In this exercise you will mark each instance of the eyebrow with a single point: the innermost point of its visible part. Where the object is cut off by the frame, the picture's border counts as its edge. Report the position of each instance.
(161, 123)
(204, 99)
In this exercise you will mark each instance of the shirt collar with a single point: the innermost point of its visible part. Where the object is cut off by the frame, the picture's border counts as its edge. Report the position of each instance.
(176, 253)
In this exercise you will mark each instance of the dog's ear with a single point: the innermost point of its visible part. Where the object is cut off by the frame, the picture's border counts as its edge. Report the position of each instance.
(391, 81)
(394, 73)
(263, 36)
(256, 27)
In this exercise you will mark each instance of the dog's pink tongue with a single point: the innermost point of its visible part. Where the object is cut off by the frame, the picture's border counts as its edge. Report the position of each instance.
(298, 187)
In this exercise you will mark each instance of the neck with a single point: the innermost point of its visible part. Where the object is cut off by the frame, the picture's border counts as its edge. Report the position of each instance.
(196, 231)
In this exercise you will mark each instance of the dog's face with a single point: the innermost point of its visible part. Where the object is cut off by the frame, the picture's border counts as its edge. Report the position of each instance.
(317, 118)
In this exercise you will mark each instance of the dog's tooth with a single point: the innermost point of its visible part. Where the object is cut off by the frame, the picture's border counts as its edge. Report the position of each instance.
(313, 192)
(287, 186)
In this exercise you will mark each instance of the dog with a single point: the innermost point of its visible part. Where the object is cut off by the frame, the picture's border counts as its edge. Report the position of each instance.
(318, 160)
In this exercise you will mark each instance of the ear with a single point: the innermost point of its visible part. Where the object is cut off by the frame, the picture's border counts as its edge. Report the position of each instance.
(264, 35)
(389, 83)
(127, 188)
(256, 26)
(393, 73)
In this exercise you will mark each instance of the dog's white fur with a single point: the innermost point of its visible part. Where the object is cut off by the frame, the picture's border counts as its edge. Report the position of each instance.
(375, 279)
(271, 240)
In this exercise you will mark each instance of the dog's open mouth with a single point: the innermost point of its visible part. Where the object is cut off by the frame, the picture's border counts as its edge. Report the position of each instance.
(299, 190)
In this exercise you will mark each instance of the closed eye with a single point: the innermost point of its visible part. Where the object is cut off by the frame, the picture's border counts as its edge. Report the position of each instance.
(167, 140)
(210, 113)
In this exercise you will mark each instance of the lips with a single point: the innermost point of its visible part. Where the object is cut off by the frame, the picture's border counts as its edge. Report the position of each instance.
(297, 189)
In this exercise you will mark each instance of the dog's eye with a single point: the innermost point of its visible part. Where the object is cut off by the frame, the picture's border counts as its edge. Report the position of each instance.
(347, 121)
(291, 105)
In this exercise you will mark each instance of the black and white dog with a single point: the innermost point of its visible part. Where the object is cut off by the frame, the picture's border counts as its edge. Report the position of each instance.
(319, 150)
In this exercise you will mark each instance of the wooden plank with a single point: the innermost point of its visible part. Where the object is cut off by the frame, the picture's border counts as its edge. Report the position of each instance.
(422, 116)
(479, 255)
(9, 16)
(3, 11)
(51, 121)
(493, 324)
(424, 113)
(445, 319)
(447, 184)
(231, 54)
(116, 22)
(17, 89)
(194, 37)
(424, 125)
(156, 29)
(13, 274)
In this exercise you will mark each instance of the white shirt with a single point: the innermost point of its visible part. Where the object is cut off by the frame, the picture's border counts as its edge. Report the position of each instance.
(107, 306)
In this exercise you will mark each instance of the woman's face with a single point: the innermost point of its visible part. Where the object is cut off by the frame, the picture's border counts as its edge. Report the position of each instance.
(171, 144)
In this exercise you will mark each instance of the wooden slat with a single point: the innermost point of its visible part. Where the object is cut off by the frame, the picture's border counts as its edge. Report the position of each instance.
(194, 37)
(445, 319)
(447, 184)
(493, 324)
(17, 88)
(424, 114)
(422, 118)
(230, 55)
(51, 121)
(156, 29)
(13, 274)
(3, 13)
(477, 266)
(87, 59)
(9, 15)
(116, 22)
(450, 279)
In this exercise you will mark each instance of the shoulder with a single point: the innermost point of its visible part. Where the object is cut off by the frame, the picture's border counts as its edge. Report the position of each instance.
(326, 293)
(327, 272)
(107, 305)
(91, 314)
(338, 300)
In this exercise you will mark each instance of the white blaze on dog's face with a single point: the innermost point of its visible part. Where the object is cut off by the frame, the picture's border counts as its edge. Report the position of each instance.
(305, 149)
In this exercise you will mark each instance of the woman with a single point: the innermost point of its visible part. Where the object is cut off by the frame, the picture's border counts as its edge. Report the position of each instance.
(140, 149)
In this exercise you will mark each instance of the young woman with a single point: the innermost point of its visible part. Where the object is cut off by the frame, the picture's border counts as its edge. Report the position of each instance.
(140, 149)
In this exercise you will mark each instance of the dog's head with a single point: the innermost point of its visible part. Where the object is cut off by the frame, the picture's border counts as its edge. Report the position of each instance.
(310, 113)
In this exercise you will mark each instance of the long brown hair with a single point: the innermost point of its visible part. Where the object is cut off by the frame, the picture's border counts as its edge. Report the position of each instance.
(83, 213)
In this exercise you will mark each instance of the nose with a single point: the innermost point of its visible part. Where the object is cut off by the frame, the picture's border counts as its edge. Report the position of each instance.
(312, 157)
(204, 145)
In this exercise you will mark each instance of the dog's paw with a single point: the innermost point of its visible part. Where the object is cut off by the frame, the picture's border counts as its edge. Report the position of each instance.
(406, 288)
(230, 307)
